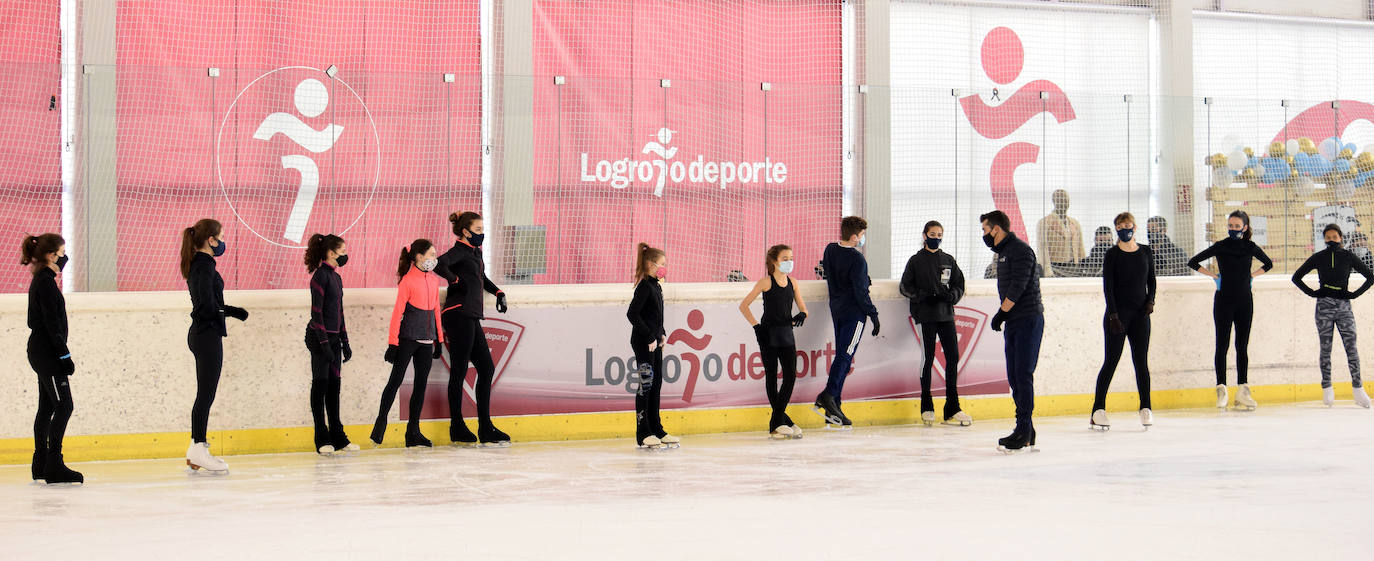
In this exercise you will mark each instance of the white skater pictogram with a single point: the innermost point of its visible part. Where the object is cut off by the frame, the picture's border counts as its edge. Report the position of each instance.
(311, 100)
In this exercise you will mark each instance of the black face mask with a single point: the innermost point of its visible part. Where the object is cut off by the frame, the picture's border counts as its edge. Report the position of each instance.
(61, 262)
(1333, 245)
(341, 260)
(988, 239)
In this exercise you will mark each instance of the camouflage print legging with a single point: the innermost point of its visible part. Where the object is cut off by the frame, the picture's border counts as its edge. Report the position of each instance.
(1334, 313)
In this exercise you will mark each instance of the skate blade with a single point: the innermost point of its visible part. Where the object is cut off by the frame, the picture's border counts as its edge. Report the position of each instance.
(193, 469)
(1013, 451)
(776, 436)
(953, 423)
(828, 419)
(929, 423)
(1243, 408)
(1099, 428)
(501, 444)
(838, 427)
(457, 444)
(65, 484)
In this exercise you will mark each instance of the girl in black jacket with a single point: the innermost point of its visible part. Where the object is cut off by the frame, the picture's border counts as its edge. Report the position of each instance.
(200, 245)
(934, 284)
(1128, 282)
(326, 337)
(1234, 303)
(463, 268)
(49, 356)
(647, 339)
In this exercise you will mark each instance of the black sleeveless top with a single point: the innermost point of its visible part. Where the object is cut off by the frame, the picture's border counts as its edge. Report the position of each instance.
(777, 313)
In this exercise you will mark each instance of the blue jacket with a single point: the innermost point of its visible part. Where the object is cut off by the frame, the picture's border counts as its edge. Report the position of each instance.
(1017, 277)
(846, 276)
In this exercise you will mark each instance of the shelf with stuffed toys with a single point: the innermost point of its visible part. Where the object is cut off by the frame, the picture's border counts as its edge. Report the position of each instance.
(1283, 188)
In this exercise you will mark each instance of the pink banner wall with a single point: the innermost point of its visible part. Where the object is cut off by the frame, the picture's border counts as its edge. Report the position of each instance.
(30, 164)
(715, 113)
(405, 156)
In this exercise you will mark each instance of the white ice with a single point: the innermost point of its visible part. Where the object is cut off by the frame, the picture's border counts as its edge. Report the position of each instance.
(1284, 482)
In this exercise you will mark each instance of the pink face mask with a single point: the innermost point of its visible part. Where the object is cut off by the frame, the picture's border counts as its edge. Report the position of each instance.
(662, 272)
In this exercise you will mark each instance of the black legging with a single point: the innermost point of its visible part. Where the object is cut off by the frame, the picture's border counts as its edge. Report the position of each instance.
(422, 355)
(779, 397)
(944, 331)
(647, 421)
(468, 343)
(208, 348)
(1138, 333)
(1226, 312)
(325, 383)
(54, 403)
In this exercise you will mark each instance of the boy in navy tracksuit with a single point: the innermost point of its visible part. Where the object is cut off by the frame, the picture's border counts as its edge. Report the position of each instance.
(846, 277)
(1018, 289)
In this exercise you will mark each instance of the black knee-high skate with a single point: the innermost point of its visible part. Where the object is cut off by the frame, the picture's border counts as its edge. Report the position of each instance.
(54, 471)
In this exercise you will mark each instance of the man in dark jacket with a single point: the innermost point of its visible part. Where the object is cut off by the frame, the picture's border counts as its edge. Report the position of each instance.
(934, 284)
(1018, 289)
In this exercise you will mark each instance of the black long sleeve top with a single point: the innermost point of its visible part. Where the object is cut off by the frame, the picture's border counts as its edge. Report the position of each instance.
(207, 295)
(1128, 281)
(846, 277)
(932, 294)
(1333, 268)
(48, 312)
(326, 304)
(462, 266)
(646, 311)
(1234, 259)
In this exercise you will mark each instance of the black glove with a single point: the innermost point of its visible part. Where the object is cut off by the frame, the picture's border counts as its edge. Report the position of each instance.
(390, 355)
(761, 334)
(1149, 308)
(236, 313)
(347, 352)
(1114, 323)
(799, 319)
(876, 325)
(326, 351)
(501, 302)
(438, 350)
(68, 367)
(998, 319)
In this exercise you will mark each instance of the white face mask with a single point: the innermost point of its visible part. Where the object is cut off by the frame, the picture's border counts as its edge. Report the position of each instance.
(863, 240)
(429, 265)
(785, 267)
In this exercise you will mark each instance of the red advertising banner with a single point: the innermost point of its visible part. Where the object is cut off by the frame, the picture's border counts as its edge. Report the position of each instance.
(320, 117)
(713, 133)
(31, 116)
(547, 361)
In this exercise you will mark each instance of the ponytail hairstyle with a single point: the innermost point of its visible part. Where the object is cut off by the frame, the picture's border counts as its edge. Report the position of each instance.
(773, 253)
(318, 248)
(408, 253)
(194, 237)
(643, 256)
(35, 249)
(1244, 218)
(462, 221)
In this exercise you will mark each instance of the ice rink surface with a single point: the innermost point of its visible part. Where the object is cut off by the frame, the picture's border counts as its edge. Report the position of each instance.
(1285, 482)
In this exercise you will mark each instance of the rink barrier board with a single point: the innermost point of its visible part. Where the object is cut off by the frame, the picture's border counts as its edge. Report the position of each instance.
(595, 426)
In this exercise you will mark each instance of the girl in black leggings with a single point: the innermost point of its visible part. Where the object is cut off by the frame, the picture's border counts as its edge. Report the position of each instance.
(774, 333)
(646, 339)
(1128, 282)
(1234, 304)
(200, 245)
(463, 268)
(326, 337)
(49, 357)
(414, 337)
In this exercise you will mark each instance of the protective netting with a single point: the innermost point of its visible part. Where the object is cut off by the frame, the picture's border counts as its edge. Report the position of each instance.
(997, 107)
(30, 115)
(324, 117)
(1285, 134)
(711, 130)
